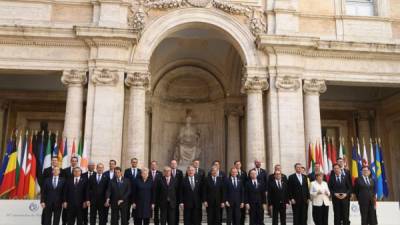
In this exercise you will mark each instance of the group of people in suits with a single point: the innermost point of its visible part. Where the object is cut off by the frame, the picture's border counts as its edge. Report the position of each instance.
(144, 193)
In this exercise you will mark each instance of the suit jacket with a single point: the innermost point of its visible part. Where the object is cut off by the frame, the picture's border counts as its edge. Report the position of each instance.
(271, 178)
(298, 191)
(346, 174)
(128, 174)
(319, 199)
(255, 195)
(116, 192)
(213, 194)
(108, 174)
(276, 195)
(220, 174)
(178, 176)
(47, 172)
(191, 198)
(86, 174)
(143, 197)
(365, 193)
(97, 191)
(234, 195)
(166, 195)
(242, 175)
(52, 196)
(262, 175)
(344, 186)
(75, 195)
(67, 172)
(158, 176)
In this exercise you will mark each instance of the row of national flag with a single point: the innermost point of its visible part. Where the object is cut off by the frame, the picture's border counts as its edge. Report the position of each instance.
(326, 154)
(27, 155)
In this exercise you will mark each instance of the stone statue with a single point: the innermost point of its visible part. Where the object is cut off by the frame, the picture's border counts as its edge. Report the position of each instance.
(188, 144)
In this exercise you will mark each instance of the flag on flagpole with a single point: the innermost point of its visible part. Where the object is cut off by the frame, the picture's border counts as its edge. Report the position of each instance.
(84, 159)
(13, 193)
(372, 160)
(73, 151)
(47, 154)
(55, 148)
(333, 153)
(359, 159)
(329, 155)
(378, 171)
(319, 159)
(41, 153)
(8, 182)
(6, 158)
(325, 160)
(311, 157)
(365, 156)
(354, 163)
(80, 150)
(65, 161)
(30, 179)
(23, 169)
(384, 179)
(60, 153)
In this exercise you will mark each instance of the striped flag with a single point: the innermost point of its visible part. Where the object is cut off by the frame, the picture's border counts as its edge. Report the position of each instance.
(84, 158)
(354, 164)
(6, 158)
(30, 181)
(325, 160)
(65, 161)
(47, 154)
(8, 182)
(378, 170)
(384, 179)
(359, 159)
(41, 153)
(311, 157)
(23, 169)
(365, 156)
(60, 152)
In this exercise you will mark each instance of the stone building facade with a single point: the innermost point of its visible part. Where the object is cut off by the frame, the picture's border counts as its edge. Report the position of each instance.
(259, 78)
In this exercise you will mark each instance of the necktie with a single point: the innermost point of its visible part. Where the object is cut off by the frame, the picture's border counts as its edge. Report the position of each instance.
(214, 180)
(367, 180)
(54, 182)
(258, 171)
(255, 184)
(134, 172)
(197, 170)
(235, 182)
(154, 175)
(338, 179)
(76, 181)
(173, 173)
(119, 182)
(192, 183)
(168, 181)
(98, 178)
(279, 184)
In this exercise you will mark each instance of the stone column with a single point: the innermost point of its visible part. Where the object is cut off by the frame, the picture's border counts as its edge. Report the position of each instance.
(312, 118)
(254, 86)
(74, 80)
(138, 82)
(291, 122)
(233, 135)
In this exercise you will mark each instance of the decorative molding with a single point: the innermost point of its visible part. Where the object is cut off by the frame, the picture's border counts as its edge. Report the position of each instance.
(314, 87)
(234, 110)
(254, 84)
(74, 77)
(104, 77)
(256, 19)
(138, 80)
(287, 83)
(42, 42)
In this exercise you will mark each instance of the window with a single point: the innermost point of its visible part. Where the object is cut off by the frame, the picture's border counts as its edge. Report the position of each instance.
(360, 7)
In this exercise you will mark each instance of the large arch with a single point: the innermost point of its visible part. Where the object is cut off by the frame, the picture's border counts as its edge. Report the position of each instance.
(235, 32)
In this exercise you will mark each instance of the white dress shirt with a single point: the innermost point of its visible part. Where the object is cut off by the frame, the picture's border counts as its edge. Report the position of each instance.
(318, 199)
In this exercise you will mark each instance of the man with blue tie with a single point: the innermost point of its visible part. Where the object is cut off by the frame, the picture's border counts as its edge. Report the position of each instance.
(132, 174)
(117, 196)
(364, 189)
(213, 197)
(234, 198)
(340, 188)
(299, 195)
(190, 198)
(52, 197)
(98, 184)
(255, 198)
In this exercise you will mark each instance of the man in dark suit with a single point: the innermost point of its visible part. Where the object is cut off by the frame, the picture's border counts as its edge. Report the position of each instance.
(166, 197)
(68, 172)
(110, 175)
(132, 174)
(340, 189)
(98, 184)
(76, 197)
(234, 198)
(299, 195)
(155, 176)
(191, 196)
(220, 173)
(117, 196)
(255, 198)
(213, 197)
(277, 167)
(278, 198)
(177, 174)
(48, 172)
(317, 169)
(262, 174)
(242, 175)
(199, 172)
(51, 199)
(364, 189)
(87, 175)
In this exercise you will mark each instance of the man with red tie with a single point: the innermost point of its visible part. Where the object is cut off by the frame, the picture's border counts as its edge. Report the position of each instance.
(166, 197)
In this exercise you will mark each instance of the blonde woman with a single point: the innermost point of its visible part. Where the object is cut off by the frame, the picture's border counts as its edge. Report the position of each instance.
(319, 192)
(143, 198)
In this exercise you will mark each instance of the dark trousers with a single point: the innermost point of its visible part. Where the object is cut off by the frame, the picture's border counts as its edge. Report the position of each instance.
(300, 210)
(64, 216)
(191, 216)
(320, 214)
(233, 214)
(340, 211)
(214, 215)
(142, 221)
(167, 215)
(177, 214)
(85, 216)
(50, 212)
(156, 215)
(130, 214)
(116, 212)
(98, 210)
(242, 215)
(256, 214)
(279, 210)
(75, 213)
(368, 214)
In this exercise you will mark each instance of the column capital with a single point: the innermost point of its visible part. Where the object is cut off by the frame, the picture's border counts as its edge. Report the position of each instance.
(287, 83)
(314, 87)
(74, 77)
(138, 80)
(104, 77)
(254, 84)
